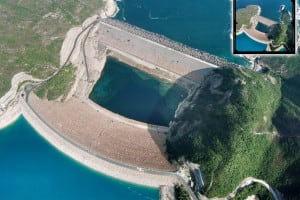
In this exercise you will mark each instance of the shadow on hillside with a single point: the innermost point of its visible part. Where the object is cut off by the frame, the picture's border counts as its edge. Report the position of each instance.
(290, 184)
(185, 82)
(286, 119)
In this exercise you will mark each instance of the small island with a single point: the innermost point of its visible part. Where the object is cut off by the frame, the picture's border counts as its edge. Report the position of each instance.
(279, 34)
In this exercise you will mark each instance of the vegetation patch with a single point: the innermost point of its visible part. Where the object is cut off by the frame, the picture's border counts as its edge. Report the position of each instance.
(32, 32)
(287, 118)
(229, 129)
(282, 33)
(181, 193)
(254, 190)
(58, 86)
(244, 15)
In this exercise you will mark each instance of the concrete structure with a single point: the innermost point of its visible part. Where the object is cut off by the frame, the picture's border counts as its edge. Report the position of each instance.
(157, 50)
(264, 20)
(256, 35)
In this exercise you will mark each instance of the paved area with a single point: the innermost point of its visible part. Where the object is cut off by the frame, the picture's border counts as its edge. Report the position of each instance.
(153, 53)
(103, 135)
(257, 35)
(264, 20)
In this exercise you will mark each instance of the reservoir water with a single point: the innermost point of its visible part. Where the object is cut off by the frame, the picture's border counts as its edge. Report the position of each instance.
(30, 168)
(137, 95)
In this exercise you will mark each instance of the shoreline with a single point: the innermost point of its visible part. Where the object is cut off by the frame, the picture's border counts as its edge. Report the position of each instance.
(9, 105)
(110, 9)
(102, 165)
(255, 39)
(254, 23)
(107, 166)
(119, 171)
(10, 117)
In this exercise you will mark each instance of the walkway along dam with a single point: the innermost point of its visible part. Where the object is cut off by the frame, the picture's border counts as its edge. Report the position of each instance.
(157, 50)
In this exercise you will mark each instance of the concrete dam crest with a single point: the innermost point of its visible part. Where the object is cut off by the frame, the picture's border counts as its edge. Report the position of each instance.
(158, 51)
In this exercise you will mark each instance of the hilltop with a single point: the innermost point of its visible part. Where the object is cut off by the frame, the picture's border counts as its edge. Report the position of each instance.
(230, 127)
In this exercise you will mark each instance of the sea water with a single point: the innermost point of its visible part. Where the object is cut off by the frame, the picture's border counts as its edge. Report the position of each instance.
(135, 94)
(201, 24)
(269, 9)
(30, 168)
(244, 43)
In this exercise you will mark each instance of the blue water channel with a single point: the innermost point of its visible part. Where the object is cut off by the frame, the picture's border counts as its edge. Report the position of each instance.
(30, 168)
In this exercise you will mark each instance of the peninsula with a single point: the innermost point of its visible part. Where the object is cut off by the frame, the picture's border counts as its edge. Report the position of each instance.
(279, 36)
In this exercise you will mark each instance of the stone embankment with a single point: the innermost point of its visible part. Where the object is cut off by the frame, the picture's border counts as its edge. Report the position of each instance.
(160, 39)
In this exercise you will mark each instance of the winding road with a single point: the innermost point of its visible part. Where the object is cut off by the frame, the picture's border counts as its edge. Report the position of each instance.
(249, 181)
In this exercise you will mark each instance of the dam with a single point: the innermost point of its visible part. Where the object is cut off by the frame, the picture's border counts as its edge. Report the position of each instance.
(157, 50)
(98, 130)
(257, 35)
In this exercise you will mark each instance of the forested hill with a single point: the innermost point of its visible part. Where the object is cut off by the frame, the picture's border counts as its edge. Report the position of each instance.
(287, 119)
(229, 126)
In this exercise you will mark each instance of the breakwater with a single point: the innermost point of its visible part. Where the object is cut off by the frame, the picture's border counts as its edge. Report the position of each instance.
(160, 39)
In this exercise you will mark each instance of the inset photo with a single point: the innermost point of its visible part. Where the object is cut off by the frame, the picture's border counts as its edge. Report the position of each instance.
(264, 27)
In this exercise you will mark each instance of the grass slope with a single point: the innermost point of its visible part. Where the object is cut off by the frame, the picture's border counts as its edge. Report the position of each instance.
(59, 85)
(244, 15)
(287, 119)
(31, 34)
(228, 129)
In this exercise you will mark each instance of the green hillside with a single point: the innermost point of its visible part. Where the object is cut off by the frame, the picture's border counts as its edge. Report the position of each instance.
(231, 129)
(32, 32)
(243, 16)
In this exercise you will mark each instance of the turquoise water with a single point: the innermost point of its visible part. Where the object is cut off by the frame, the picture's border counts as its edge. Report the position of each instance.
(244, 43)
(269, 9)
(136, 95)
(30, 168)
(201, 24)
